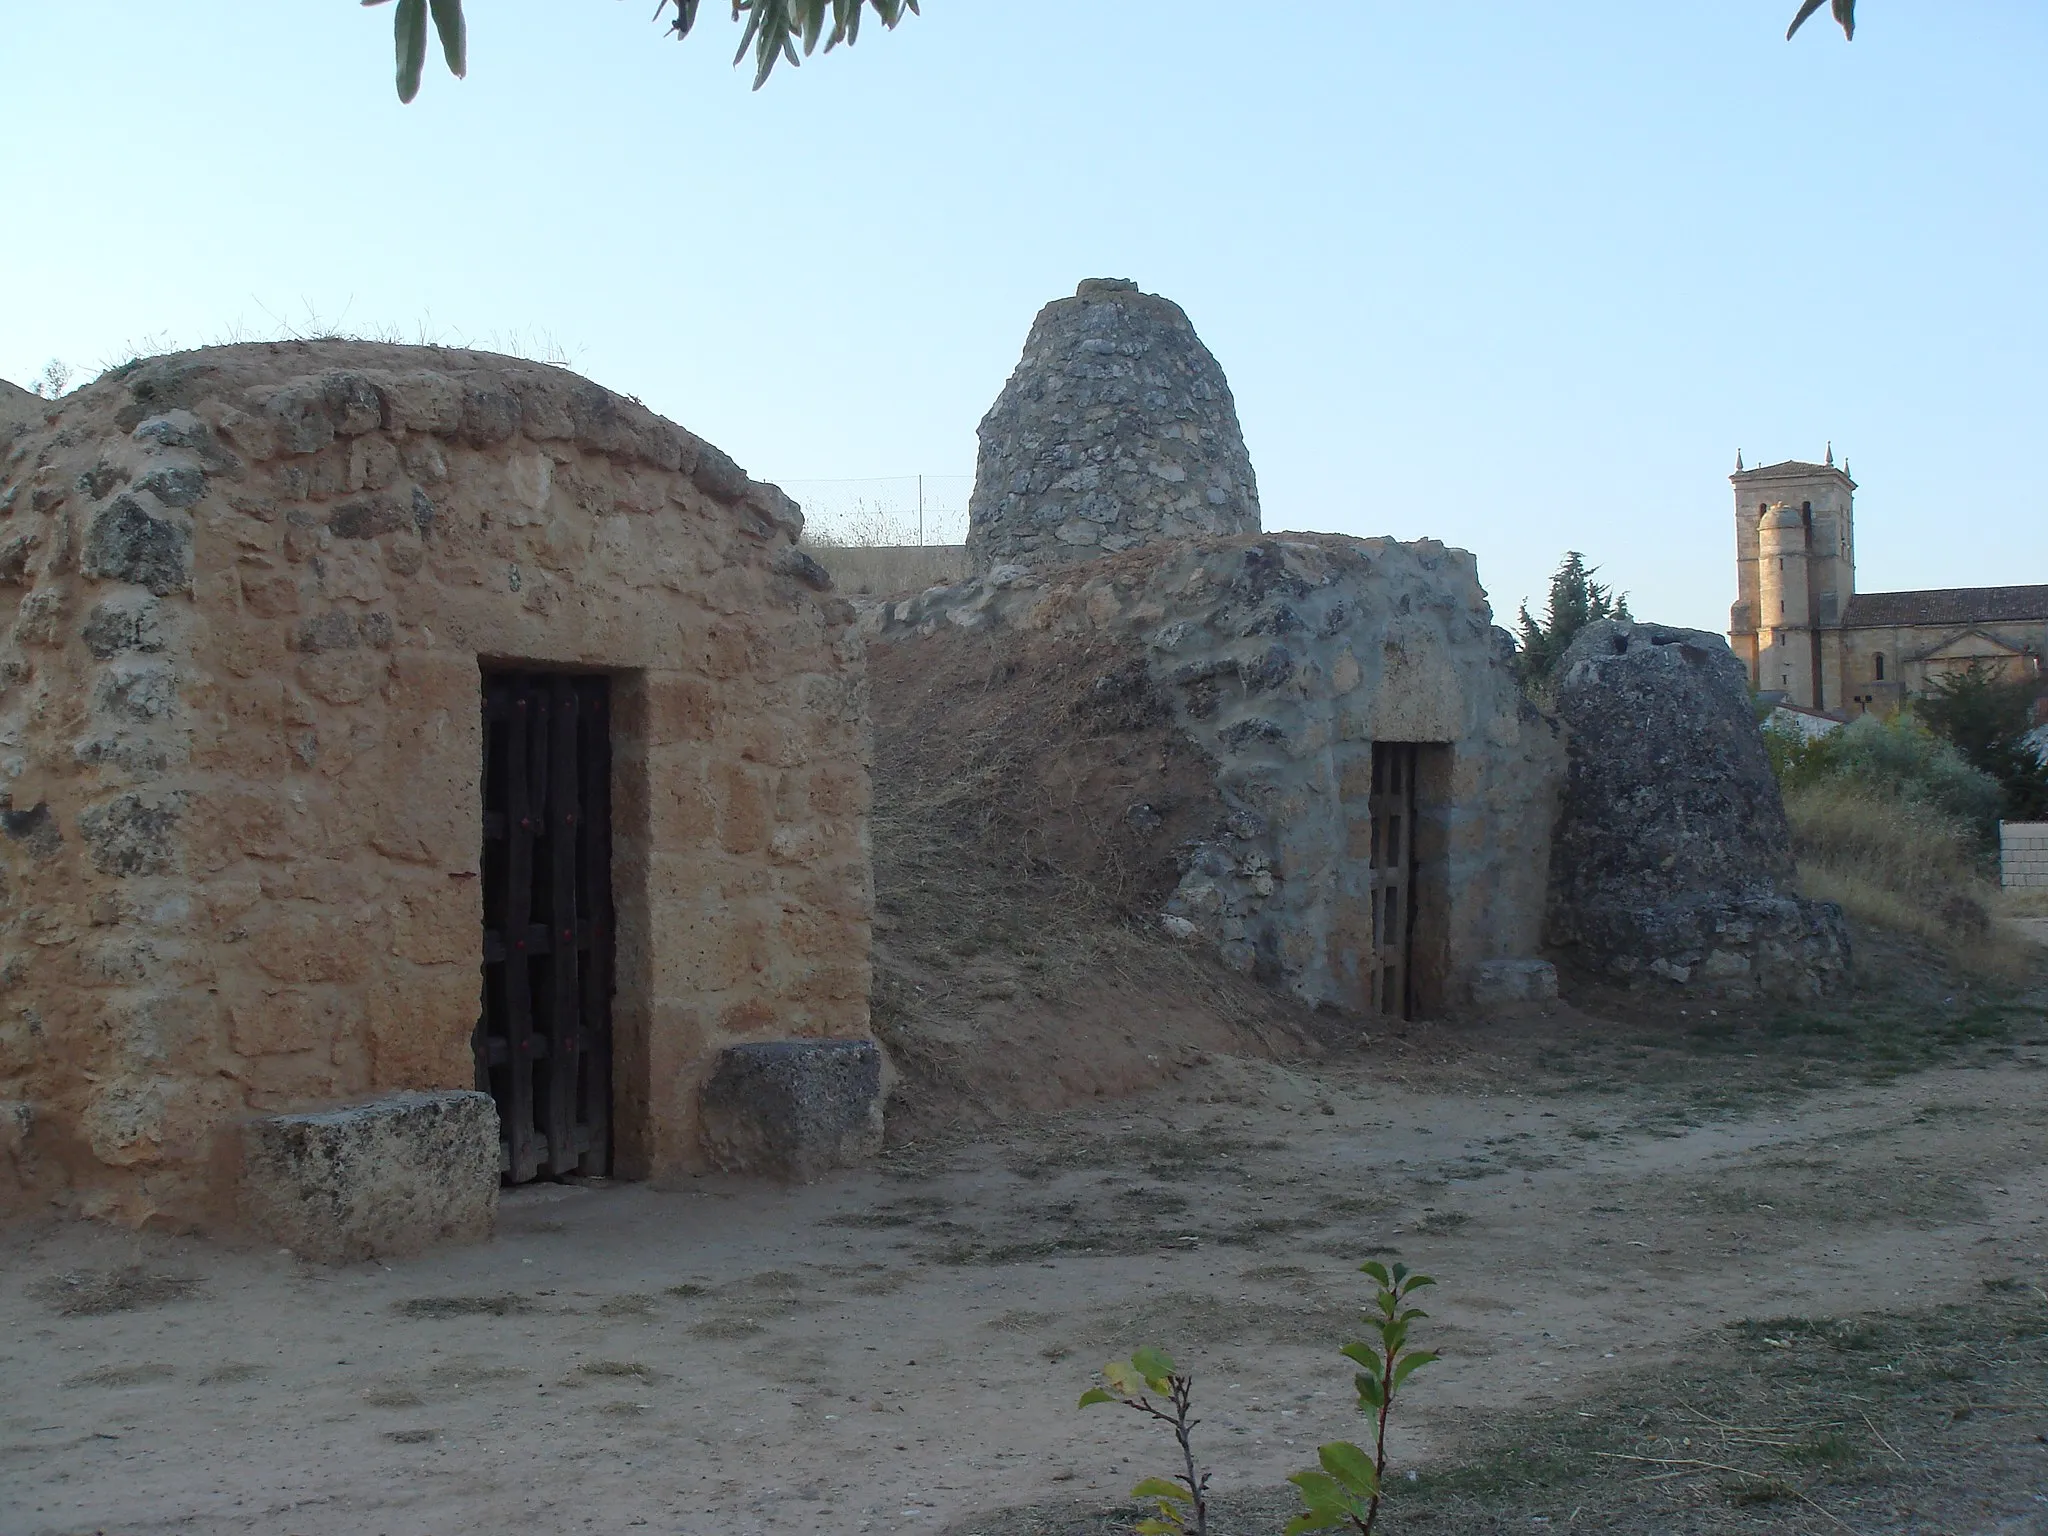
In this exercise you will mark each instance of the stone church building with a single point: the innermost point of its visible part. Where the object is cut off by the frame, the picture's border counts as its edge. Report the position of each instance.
(1804, 630)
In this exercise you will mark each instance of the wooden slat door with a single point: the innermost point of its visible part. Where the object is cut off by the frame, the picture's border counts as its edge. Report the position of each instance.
(543, 1044)
(1393, 875)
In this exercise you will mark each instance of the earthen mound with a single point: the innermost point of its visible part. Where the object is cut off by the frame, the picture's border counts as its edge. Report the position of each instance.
(1019, 966)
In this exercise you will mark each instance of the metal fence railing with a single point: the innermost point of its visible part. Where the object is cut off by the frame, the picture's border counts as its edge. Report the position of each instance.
(884, 511)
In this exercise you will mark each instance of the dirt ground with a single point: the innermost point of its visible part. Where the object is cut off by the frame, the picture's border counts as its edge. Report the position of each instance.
(1777, 1271)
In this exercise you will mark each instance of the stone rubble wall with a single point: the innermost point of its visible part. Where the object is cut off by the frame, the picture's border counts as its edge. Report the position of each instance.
(244, 594)
(1673, 860)
(1285, 658)
(1117, 428)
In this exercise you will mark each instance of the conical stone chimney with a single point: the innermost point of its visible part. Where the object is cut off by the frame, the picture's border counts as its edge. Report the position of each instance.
(1116, 429)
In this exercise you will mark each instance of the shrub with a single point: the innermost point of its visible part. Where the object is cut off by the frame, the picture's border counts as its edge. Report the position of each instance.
(1343, 1491)
(1987, 717)
(1896, 760)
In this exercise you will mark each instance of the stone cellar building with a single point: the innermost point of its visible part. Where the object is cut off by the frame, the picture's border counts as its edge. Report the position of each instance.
(336, 677)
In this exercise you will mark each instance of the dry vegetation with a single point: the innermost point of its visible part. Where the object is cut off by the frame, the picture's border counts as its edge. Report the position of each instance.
(888, 570)
(1890, 822)
(1906, 867)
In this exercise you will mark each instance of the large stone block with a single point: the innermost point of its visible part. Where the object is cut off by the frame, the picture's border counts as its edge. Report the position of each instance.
(794, 1108)
(1672, 858)
(393, 1175)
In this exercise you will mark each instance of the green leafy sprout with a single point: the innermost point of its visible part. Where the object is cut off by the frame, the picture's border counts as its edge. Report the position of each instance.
(1343, 1491)
(1345, 1494)
(1148, 1383)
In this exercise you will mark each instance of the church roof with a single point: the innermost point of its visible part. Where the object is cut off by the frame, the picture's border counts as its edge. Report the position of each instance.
(1790, 469)
(1948, 606)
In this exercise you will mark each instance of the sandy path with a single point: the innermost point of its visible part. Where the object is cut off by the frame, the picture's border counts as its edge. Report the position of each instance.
(895, 1349)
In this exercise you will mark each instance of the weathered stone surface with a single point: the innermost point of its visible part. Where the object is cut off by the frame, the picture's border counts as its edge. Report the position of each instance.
(393, 1175)
(33, 828)
(134, 541)
(131, 834)
(1672, 858)
(1504, 983)
(1283, 661)
(126, 622)
(19, 409)
(794, 1109)
(1116, 429)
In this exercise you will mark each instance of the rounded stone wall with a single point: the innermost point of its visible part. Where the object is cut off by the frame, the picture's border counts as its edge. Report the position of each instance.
(1116, 429)
(248, 601)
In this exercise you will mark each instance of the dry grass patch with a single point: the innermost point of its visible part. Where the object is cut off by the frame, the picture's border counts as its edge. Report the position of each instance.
(618, 1369)
(123, 1375)
(95, 1293)
(508, 1305)
(1905, 866)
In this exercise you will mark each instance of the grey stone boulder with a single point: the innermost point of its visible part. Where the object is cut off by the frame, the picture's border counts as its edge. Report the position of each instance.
(1672, 860)
(794, 1109)
(391, 1175)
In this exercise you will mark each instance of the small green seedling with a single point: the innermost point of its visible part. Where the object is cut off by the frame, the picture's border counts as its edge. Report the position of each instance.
(1343, 1494)
(1142, 1383)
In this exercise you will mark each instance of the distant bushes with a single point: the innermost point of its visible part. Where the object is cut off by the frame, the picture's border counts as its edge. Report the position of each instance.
(1891, 822)
(1896, 760)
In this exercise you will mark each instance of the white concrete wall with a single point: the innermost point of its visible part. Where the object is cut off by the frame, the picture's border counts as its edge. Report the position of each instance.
(2023, 855)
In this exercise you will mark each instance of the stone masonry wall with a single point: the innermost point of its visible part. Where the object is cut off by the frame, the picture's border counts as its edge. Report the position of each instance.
(1116, 429)
(1285, 658)
(244, 597)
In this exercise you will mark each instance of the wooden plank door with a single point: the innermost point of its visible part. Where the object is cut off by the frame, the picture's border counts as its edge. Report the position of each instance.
(543, 1044)
(1393, 875)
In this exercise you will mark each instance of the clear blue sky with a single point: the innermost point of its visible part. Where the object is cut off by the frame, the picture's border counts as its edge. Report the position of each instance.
(1521, 277)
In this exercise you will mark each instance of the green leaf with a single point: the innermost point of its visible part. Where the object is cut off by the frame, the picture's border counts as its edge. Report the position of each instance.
(409, 37)
(1316, 1520)
(1363, 1354)
(1155, 1365)
(1377, 1271)
(1160, 1488)
(1123, 1378)
(454, 35)
(1095, 1395)
(1328, 1506)
(1350, 1466)
(1409, 1364)
(1416, 1283)
(1370, 1395)
(1171, 1525)
(1319, 1490)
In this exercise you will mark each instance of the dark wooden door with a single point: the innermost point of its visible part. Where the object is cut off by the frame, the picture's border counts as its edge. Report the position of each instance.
(543, 1045)
(1393, 875)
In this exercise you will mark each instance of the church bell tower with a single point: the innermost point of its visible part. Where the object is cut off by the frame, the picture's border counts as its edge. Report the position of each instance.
(1795, 569)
